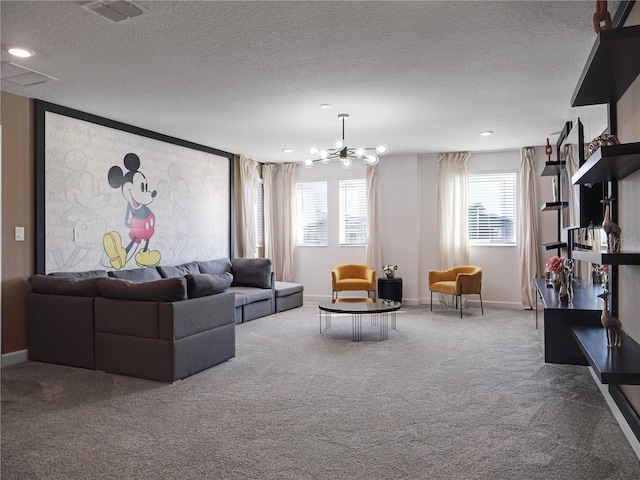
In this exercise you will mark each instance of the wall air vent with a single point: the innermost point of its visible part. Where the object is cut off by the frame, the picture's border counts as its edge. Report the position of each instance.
(13, 73)
(116, 11)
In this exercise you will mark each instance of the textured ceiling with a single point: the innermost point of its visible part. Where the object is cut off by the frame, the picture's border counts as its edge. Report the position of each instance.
(248, 77)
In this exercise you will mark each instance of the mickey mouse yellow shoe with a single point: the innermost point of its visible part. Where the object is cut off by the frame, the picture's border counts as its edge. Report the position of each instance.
(148, 258)
(113, 248)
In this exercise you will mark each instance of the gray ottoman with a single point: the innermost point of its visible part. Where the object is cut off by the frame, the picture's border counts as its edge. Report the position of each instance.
(288, 296)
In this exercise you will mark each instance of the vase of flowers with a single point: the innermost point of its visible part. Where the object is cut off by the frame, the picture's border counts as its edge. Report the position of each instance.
(562, 268)
(390, 270)
(554, 266)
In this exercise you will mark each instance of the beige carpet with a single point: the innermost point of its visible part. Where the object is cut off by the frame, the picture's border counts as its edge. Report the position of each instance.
(442, 398)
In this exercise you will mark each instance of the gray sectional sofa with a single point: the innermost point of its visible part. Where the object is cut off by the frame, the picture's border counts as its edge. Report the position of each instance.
(161, 323)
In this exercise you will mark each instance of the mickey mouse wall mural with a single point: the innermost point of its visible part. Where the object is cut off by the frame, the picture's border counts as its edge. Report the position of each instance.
(138, 217)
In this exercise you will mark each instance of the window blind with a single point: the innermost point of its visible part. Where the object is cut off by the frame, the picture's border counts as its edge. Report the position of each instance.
(311, 213)
(353, 212)
(492, 208)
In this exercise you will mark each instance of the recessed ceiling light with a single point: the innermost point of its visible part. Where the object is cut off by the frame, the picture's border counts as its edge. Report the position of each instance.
(325, 106)
(287, 150)
(21, 52)
(486, 133)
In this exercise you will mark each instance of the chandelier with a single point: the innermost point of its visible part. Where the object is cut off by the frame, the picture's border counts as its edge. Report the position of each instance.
(345, 154)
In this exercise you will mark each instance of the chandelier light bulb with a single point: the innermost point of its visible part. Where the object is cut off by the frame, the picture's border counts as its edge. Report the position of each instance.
(324, 153)
(360, 152)
(382, 149)
(346, 163)
(313, 150)
(371, 159)
(339, 144)
(308, 163)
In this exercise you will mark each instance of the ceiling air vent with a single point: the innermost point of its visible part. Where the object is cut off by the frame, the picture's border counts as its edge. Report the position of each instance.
(117, 11)
(22, 76)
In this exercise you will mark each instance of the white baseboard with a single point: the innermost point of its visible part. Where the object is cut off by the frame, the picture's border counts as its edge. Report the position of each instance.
(631, 438)
(426, 301)
(476, 304)
(14, 358)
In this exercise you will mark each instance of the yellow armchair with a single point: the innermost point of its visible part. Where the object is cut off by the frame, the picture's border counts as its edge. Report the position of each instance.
(353, 277)
(457, 281)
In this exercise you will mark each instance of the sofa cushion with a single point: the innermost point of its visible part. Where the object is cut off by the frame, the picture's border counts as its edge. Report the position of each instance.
(163, 290)
(59, 285)
(245, 295)
(146, 274)
(215, 267)
(202, 284)
(284, 289)
(178, 270)
(251, 272)
(88, 274)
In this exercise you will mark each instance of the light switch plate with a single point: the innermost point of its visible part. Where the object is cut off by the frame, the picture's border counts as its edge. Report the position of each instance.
(19, 234)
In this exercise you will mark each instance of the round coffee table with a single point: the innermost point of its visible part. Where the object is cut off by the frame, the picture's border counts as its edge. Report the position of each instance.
(381, 312)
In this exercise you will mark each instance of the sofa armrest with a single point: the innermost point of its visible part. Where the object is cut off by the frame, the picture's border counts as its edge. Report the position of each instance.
(469, 282)
(441, 276)
(181, 319)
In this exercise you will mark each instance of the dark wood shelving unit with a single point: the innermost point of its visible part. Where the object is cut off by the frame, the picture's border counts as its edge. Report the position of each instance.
(552, 168)
(561, 318)
(604, 258)
(618, 365)
(554, 245)
(611, 68)
(554, 206)
(613, 65)
(609, 164)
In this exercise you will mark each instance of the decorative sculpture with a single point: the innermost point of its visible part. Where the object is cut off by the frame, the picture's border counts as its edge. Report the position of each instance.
(601, 141)
(597, 273)
(602, 18)
(566, 281)
(610, 228)
(610, 323)
(548, 151)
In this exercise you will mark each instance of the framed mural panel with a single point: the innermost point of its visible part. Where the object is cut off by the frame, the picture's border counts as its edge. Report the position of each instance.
(111, 196)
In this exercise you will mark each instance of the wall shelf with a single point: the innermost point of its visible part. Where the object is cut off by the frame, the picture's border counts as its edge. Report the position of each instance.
(609, 163)
(552, 168)
(554, 245)
(560, 318)
(619, 366)
(611, 68)
(554, 206)
(604, 258)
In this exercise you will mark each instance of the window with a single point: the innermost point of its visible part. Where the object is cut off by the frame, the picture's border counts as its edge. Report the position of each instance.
(492, 208)
(311, 218)
(353, 212)
(260, 215)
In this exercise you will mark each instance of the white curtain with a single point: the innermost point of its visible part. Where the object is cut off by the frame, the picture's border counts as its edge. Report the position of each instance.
(246, 224)
(453, 238)
(373, 253)
(285, 236)
(269, 213)
(527, 227)
(572, 217)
